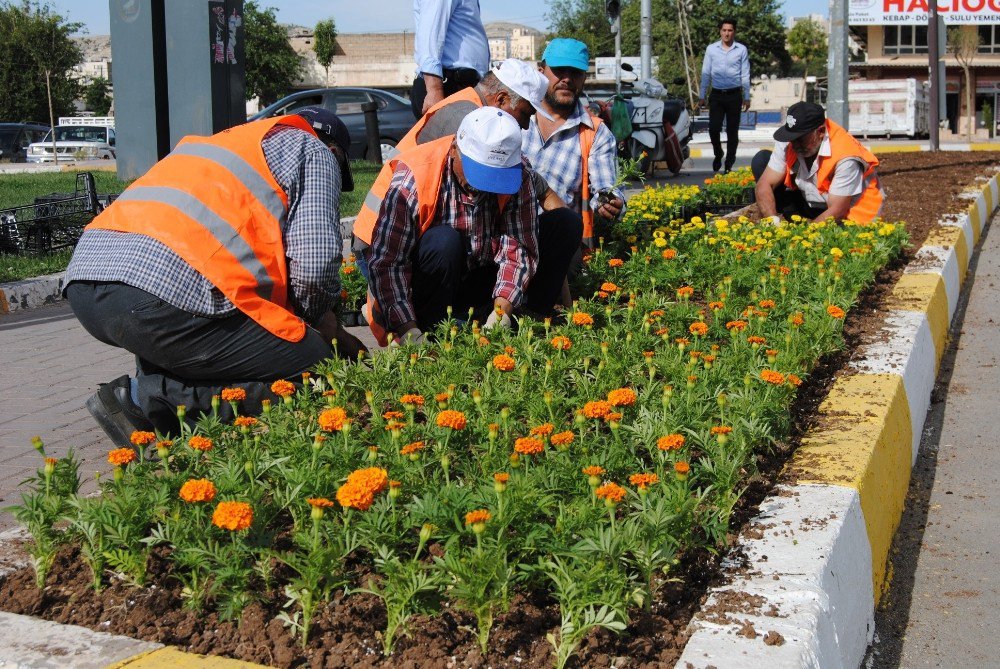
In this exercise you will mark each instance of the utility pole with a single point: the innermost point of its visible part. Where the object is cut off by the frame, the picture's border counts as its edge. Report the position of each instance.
(646, 39)
(934, 56)
(613, 9)
(836, 65)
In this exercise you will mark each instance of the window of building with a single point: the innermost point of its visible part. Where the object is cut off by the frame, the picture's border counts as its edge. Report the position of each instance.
(904, 40)
(989, 39)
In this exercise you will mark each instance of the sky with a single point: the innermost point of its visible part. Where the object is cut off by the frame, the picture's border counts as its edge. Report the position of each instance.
(353, 16)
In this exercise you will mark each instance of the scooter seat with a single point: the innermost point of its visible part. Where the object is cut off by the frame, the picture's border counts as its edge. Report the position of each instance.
(672, 110)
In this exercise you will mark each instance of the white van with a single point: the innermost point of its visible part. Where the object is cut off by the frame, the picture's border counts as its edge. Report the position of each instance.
(77, 139)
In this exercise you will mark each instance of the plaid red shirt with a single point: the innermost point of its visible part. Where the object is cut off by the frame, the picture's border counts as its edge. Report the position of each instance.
(508, 240)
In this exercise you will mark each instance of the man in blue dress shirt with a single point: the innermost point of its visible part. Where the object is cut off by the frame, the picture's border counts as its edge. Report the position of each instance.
(727, 69)
(450, 48)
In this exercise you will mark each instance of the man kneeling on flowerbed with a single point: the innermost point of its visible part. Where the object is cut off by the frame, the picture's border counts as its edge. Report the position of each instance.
(817, 171)
(458, 228)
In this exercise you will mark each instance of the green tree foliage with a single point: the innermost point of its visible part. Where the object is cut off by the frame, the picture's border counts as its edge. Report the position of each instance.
(807, 45)
(324, 43)
(36, 46)
(272, 66)
(97, 96)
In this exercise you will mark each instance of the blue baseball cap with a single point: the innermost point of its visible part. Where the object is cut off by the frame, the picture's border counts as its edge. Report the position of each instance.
(566, 52)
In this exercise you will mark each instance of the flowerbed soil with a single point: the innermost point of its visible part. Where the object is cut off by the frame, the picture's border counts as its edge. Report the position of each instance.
(347, 631)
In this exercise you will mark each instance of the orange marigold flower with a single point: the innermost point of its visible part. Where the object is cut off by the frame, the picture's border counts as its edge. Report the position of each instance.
(543, 430)
(411, 448)
(754, 339)
(141, 438)
(669, 254)
(593, 470)
(609, 287)
(784, 270)
(529, 445)
(441, 397)
(562, 438)
(233, 516)
(648, 354)
(373, 479)
(698, 329)
(657, 313)
(501, 477)
(200, 443)
(716, 305)
(766, 304)
(682, 341)
(662, 331)
(165, 443)
(736, 325)
(772, 377)
(121, 456)
(330, 393)
(412, 398)
(835, 311)
(354, 497)
(643, 480)
(233, 394)
(582, 318)
(509, 350)
(682, 467)
(348, 269)
(596, 409)
(685, 291)
(616, 262)
(561, 343)
(478, 516)
(283, 388)
(621, 397)
(772, 351)
(611, 492)
(671, 442)
(394, 425)
(453, 419)
(794, 380)
(245, 421)
(198, 490)
(333, 419)
(393, 415)
(503, 362)
(721, 429)
(319, 502)
(613, 417)
(483, 341)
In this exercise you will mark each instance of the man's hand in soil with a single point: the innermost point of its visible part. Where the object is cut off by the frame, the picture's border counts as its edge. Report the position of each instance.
(347, 345)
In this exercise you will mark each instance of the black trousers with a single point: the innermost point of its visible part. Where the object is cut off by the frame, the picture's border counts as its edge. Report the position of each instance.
(725, 105)
(184, 359)
(454, 81)
(787, 202)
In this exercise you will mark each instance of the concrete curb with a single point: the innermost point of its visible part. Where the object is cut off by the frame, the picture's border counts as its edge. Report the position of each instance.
(901, 147)
(818, 550)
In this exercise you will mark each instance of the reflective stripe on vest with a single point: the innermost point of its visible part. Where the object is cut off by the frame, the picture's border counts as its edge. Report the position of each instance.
(214, 202)
(364, 224)
(844, 145)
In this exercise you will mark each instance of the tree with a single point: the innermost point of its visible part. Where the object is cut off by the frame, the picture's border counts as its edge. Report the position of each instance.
(324, 44)
(36, 59)
(964, 44)
(96, 96)
(807, 45)
(272, 66)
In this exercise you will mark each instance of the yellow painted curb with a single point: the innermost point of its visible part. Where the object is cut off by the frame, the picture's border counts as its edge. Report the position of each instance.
(697, 153)
(984, 146)
(952, 237)
(174, 658)
(864, 442)
(975, 220)
(925, 293)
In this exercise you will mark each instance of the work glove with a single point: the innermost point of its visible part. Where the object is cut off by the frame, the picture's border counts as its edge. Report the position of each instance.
(411, 336)
(497, 318)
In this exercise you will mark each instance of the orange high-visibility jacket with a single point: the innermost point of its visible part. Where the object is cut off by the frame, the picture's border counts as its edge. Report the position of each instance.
(214, 202)
(843, 145)
(364, 224)
(587, 137)
(427, 162)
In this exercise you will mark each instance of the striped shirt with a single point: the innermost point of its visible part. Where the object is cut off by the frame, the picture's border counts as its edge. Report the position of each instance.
(308, 173)
(559, 159)
(508, 240)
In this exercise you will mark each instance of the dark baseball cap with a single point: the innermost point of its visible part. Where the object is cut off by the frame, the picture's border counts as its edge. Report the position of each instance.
(331, 130)
(801, 118)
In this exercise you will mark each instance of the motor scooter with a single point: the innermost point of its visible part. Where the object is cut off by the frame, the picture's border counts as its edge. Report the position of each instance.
(661, 124)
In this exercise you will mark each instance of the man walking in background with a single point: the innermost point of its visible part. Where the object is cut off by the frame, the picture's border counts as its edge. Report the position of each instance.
(727, 68)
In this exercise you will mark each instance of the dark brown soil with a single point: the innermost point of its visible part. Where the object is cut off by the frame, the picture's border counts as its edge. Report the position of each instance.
(347, 632)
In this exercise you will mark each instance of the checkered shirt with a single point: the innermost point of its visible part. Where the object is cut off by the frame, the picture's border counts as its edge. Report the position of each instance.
(308, 173)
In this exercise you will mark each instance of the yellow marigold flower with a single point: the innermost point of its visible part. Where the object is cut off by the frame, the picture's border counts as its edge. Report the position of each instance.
(543, 430)
(835, 311)
(616, 262)
(333, 419)
(643, 480)
(141, 438)
(453, 419)
(121, 456)
(529, 445)
(582, 318)
(611, 493)
(283, 388)
(596, 409)
(698, 329)
(197, 490)
(200, 443)
(669, 254)
(561, 343)
(233, 394)
(504, 362)
(562, 438)
(412, 399)
(233, 516)
(772, 377)
(609, 287)
(245, 421)
(412, 448)
(621, 397)
(670, 442)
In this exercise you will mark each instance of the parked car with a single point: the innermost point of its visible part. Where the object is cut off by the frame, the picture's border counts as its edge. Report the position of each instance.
(15, 138)
(395, 118)
(77, 139)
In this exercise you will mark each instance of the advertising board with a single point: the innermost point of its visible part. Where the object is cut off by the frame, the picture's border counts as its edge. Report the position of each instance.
(913, 12)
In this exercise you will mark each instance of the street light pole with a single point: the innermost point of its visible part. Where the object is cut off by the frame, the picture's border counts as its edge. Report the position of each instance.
(935, 76)
(837, 63)
(646, 39)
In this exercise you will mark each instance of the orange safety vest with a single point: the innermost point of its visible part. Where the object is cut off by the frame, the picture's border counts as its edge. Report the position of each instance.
(214, 202)
(364, 224)
(587, 137)
(843, 145)
(427, 162)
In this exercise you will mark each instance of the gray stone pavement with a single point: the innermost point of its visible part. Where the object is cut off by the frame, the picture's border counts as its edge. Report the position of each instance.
(942, 606)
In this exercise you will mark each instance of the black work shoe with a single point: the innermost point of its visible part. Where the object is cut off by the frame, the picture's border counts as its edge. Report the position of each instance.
(717, 165)
(113, 409)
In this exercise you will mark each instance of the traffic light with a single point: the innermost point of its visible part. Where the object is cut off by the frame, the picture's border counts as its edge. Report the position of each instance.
(613, 8)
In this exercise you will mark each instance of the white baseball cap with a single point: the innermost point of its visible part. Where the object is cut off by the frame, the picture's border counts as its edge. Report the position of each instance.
(523, 79)
(489, 141)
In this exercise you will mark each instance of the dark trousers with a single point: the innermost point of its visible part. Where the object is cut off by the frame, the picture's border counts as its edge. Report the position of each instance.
(787, 202)
(727, 105)
(185, 359)
(454, 81)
